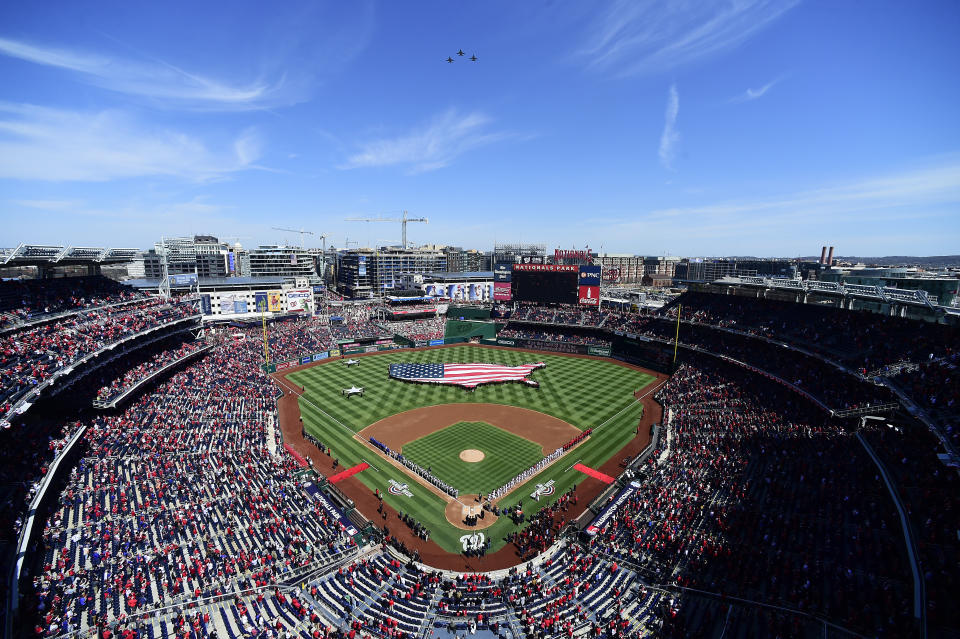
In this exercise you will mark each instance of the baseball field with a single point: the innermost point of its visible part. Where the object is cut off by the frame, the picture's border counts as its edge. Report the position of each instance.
(473, 440)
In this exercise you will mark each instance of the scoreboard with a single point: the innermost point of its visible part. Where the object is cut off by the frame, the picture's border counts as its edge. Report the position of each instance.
(556, 284)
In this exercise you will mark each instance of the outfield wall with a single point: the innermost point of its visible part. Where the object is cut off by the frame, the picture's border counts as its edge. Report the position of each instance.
(468, 312)
(550, 346)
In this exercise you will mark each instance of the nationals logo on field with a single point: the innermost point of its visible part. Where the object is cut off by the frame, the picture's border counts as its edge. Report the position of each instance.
(396, 488)
(543, 490)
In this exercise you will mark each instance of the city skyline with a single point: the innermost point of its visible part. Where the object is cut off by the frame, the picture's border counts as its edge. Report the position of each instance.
(768, 128)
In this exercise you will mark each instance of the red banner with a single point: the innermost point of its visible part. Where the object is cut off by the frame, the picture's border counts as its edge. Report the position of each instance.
(301, 462)
(553, 268)
(596, 474)
(350, 472)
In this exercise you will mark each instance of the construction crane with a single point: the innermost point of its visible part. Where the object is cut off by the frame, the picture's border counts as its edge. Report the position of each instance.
(300, 231)
(403, 221)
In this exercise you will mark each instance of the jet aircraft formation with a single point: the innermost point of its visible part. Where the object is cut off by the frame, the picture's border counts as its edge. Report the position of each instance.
(460, 53)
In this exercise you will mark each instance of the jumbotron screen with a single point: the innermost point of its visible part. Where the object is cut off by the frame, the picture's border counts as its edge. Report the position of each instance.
(545, 283)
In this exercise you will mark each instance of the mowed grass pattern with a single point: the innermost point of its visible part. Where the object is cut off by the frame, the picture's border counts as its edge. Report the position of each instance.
(580, 391)
(505, 456)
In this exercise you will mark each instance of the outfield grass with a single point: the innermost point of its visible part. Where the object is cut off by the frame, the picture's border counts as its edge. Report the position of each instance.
(582, 392)
(579, 391)
(505, 456)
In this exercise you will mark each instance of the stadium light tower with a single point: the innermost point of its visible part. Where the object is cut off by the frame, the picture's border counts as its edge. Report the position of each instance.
(403, 222)
(164, 288)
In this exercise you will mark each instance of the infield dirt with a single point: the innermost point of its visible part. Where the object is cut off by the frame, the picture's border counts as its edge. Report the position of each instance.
(395, 431)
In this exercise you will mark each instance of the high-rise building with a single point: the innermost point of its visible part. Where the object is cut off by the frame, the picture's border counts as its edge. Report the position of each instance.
(204, 255)
(709, 270)
(369, 272)
(519, 253)
(621, 268)
(460, 260)
(282, 261)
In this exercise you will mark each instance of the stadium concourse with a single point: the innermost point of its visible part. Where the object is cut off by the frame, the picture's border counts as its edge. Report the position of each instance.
(758, 512)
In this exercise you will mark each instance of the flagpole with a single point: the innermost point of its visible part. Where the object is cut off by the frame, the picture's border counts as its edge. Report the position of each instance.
(676, 340)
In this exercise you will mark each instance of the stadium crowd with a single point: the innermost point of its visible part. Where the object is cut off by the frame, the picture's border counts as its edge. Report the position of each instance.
(30, 300)
(121, 384)
(762, 503)
(752, 493)
(182, 496)
(863, 340)
(418, 330)
(513, 331)
(354, 322)
(563, 315)
(32, 355)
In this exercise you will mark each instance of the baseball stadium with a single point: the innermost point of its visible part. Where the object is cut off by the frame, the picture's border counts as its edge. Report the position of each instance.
(552, 463)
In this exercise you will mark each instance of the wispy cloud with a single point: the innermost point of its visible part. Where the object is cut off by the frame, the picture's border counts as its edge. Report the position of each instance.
(753, 94)
(920, 198)
(898, 196)
(670, 136)
(431, 147)
(155, 79)
(39, 143)
(638, 37)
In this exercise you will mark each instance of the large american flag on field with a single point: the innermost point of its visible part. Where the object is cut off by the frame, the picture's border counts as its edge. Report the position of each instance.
(466, 375)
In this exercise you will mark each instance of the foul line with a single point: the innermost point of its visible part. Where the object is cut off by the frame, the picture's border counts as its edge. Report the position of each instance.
(369, 464)
(303, 396)
(637, 400)
(573, 464)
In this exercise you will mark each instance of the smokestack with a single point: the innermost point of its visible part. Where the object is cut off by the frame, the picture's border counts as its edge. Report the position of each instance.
(823, 255)
(830, 257)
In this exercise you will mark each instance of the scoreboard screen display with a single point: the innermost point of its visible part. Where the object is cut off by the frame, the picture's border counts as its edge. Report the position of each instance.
(545, 284)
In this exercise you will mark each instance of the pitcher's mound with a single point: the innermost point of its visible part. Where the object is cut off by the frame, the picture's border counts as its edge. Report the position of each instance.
(471, 455)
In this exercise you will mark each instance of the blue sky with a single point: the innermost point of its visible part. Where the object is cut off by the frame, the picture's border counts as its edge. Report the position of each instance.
(689, 128)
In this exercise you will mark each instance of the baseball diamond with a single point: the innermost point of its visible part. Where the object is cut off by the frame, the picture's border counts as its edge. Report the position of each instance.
(579, 393)
(505, 455)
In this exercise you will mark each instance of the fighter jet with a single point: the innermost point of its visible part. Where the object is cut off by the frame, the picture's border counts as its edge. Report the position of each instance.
(450, 60)
(460, 52)
(353, 390)
(473, 58)
(351, 362)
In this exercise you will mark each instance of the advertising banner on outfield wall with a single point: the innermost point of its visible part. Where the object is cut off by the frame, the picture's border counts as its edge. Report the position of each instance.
(205, 306)
(600, 351)
(319, 356)
(334, 352)
(240, 306)
(260, 302)
(501, 291)
(597, 524)
(226, 303)
(436, 342)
